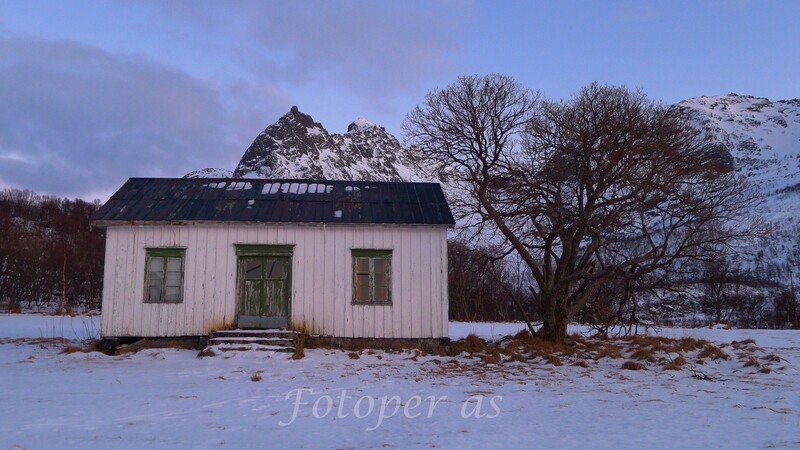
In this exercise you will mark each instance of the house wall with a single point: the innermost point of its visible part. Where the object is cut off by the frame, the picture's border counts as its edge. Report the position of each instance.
(322, 279)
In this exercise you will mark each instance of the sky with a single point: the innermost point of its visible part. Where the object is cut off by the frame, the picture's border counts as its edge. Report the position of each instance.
(94, 92)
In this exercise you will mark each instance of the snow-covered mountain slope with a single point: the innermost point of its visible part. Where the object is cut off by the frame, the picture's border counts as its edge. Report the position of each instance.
(762, 136)
(297, 147)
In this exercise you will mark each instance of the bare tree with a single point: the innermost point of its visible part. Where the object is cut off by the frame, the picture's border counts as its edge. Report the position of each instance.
(607, 185)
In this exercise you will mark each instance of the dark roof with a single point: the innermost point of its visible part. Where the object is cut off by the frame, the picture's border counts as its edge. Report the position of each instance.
(275, 201)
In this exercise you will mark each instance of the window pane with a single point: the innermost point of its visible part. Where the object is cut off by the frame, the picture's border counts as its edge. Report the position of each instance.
(156, 279)
(362, 265)
(154, 294)
(173, 279)
(276, 270)
(252, 269)
(174, 264)
(156, 264)
(362, 287)
(380, 264)
(173, 294)
(381, 293)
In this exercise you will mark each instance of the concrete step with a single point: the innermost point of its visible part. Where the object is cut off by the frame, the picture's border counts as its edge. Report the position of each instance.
(231, 347)
(277, 341)
(271, 333)
(273, 340)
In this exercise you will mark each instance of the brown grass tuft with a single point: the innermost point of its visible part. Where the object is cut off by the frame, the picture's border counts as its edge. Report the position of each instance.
(70, 349)
(765, 369)
(208, 352)
(493, 358)
(523, 335)
(353, 355)
(256, 376)
(553, 359)
(644, 354)
(299, 347)
(607, 351)
(713, 352)
(633, 365)
(752, 361)
(474, 344)
(676, 364)
(688, 344)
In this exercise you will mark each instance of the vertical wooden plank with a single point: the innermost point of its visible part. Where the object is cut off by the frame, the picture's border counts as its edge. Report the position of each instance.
(430, 291)
(417, 274)
(379, 235)
(444, 290)
(110, 282)
(334, 277)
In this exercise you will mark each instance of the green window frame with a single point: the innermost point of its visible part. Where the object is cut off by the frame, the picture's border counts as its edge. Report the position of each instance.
(164, 275)
(372, 277)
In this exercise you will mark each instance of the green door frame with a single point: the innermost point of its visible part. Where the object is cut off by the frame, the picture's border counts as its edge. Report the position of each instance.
(283, 252)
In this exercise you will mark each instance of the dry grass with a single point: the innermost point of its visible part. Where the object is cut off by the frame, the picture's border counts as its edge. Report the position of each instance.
(713, 352)
(257, 376)
(751, 362)
(741, 344)
(691, 344)
(207, 352)
(633, 365)
(606, 350)
(70, 349)
(299, 347)
(553, 359)
(492, 359)
(643, 354)
(637, 352)
(676, 364)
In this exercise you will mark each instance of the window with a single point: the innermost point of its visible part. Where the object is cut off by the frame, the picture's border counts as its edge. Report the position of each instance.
(164, 275)
(372, 271)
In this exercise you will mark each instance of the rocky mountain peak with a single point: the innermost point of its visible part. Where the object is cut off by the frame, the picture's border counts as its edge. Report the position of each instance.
(295, 116)
(296, 146)
(360, 124)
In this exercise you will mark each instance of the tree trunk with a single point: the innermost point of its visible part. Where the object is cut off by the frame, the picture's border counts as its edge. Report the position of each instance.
(555, 318)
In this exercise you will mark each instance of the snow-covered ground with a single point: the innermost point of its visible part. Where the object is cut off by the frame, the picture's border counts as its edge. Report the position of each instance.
(166, 398)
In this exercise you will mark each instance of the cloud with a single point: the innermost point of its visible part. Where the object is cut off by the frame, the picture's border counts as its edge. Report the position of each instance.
(76, 119)
(371, 48)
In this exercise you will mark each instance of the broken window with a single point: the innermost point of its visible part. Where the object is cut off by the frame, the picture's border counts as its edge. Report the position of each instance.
(371, 276)
(164, 275)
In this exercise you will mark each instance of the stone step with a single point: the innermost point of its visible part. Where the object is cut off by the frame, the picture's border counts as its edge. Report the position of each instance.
(277, 341)
(246, 347)
(271, 333)
(273, 340)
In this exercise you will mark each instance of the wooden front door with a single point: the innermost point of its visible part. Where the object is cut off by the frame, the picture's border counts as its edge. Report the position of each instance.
(264, 291)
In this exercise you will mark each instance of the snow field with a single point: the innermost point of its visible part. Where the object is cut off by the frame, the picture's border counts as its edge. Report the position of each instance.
(167, 398)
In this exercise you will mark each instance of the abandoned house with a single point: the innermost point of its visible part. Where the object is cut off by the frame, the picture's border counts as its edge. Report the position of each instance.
(185, 257)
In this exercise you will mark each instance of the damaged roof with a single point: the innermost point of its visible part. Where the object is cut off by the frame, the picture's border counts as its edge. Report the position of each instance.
(177, 200)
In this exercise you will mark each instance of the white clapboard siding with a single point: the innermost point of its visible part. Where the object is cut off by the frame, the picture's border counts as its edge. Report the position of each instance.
(322, 279)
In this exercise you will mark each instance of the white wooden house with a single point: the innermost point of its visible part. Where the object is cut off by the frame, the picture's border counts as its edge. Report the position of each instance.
(185, 257)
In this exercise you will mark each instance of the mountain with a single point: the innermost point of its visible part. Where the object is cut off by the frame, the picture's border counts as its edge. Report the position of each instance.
(763, 137)
(298, 147)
